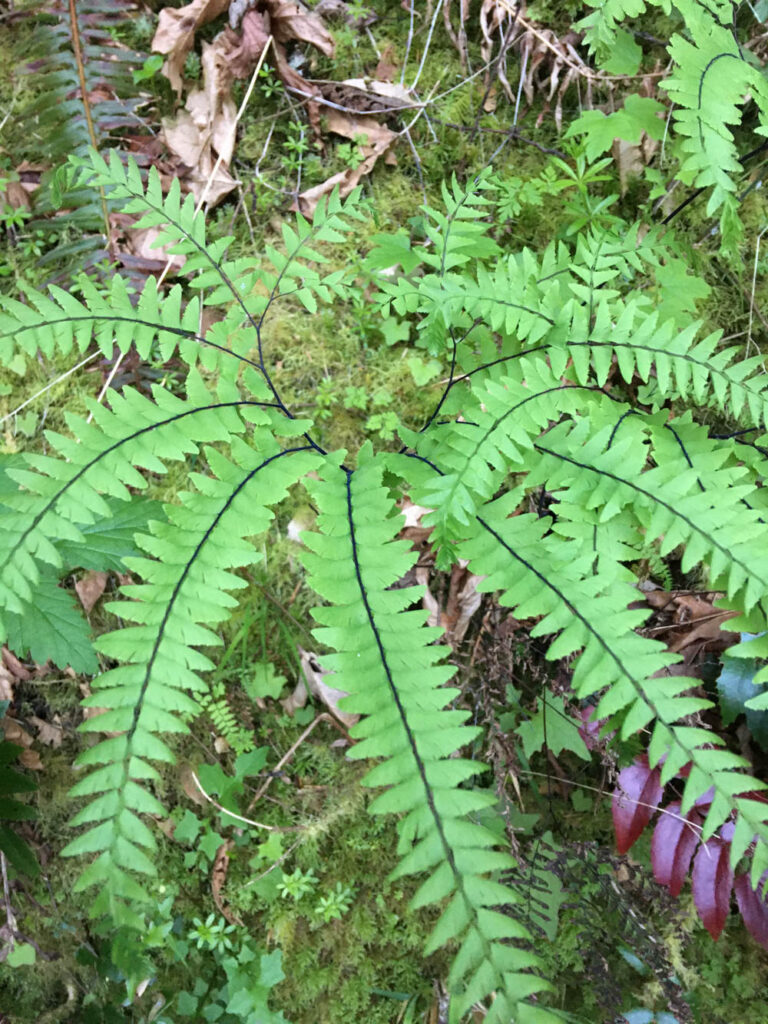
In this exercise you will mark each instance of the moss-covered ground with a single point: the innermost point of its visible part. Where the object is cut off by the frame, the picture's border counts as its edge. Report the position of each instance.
(345, 367)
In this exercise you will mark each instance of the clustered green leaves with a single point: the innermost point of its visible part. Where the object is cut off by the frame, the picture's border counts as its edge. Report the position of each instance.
(574, 371)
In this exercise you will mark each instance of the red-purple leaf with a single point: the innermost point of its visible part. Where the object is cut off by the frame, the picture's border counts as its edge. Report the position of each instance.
(672, 846)
(753, 909)
(635, 799)
(712, 880)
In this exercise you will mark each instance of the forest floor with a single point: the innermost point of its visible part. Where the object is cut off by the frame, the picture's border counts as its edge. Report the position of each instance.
(396, 106)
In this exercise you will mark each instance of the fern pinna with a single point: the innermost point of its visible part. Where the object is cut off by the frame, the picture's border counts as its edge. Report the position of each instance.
(715, 80)
(563, 374)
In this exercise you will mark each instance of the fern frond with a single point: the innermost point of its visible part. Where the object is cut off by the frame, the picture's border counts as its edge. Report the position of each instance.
(537, 576)
(713, 73)
(60, 495)
(217, 707)
(187, 579)
(84, 97)
(388, 663)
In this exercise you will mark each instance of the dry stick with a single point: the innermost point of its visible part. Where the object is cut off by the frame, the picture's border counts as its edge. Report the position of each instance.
(272, 867)
(408, 44)
(239, 817)
(198, 208)
(426, 45)
(47, 387)
(324, 717)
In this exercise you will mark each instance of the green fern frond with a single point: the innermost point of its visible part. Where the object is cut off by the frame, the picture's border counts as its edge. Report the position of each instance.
(188, 576)
(217, 707)
(71, 52)
(392, 670)
(589, 614)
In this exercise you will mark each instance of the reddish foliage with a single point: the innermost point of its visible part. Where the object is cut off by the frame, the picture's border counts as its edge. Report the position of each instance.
(676, 840)
(712, 881)
(752, 907)
(634, 801)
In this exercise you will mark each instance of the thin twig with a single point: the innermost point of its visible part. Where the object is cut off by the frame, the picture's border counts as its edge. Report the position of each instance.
(47, 387)
(324, 717)
(239, 817)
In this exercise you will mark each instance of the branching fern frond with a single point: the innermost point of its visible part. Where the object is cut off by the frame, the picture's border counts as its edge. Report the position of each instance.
(712, 77)
(186, 591)
(387, 662)
(544, 401)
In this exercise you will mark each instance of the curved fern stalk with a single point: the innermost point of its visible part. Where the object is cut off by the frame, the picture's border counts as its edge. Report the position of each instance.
(61, 496)
(188, 576)
(538, 576)
(387, 661)
(712, 76)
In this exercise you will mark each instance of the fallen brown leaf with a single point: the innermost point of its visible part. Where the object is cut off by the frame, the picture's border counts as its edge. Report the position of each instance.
(14, 666)
(189, 786)
(386, 69)
(244, 51)
(175, 34)
(50, 734)
(6, 684)
(15, 733)
(328, 695)
(291, 20)
(90, 588)
(346, 180)
(219, 877)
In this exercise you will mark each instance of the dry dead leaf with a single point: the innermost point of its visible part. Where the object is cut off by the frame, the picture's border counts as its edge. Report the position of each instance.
(15, 733)
(346, 180)
(244, 51)
(15, 195)
(219, 877)
(6, 684)
(291, 20)
(50, 734)
(90, 588)
(175, 34)
(189, 786)
(14, 666)
(297, 699)
(386, 69)
(139, 242)
(206, 128)
(328, 695)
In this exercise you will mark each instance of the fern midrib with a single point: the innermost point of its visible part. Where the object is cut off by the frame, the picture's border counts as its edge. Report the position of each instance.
(230, 286)
(78, 54)
(35, 522)
(447, 849)
(179, 332)
(138, 705)
(750, 573)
